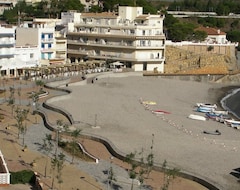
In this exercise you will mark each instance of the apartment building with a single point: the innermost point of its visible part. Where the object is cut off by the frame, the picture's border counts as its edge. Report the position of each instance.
(129, 36)
(40, 34)
(7, 51)
(13, 59)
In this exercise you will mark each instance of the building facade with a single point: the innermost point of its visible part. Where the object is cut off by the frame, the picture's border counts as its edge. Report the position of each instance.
(214, 36)
(13, 59)
(40, 33)
(129, 36)
(7, 51)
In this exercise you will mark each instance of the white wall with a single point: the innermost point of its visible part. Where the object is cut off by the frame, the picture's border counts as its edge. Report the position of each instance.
(129, 12)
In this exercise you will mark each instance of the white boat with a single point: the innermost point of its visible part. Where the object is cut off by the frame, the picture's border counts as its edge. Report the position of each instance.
(197, 117)
(206, 105)
(222, 118)
(220, 112)
(236, 126)
(231, 121)
(205, 109)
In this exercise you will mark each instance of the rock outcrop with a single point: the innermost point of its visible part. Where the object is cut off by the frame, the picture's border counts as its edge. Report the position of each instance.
(181, 61)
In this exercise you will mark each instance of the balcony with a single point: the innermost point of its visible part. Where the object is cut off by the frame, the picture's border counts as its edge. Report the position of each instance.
(122, 45)
(47, 50)
(6, 55)
(47, 40)
(59, 50)
(6, 45)
(113, 56)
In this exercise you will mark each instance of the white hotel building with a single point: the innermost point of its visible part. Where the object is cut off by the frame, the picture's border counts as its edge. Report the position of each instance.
(13, 59)
(129, 36)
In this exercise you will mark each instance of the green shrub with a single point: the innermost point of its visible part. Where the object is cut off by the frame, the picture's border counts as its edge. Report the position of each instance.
(22, 177)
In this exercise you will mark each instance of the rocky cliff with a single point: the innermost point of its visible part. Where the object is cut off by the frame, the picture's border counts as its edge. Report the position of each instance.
(182, 61)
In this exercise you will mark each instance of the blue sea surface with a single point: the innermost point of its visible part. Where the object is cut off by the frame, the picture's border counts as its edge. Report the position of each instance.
(231, 103)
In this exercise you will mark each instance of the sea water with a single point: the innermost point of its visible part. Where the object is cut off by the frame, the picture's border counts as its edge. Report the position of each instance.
(231, 102)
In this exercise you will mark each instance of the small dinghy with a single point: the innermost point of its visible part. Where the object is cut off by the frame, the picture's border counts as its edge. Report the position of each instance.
(197, 117)
(217, 132)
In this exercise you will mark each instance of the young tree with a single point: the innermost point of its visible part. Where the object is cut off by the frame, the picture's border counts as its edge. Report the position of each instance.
(142, 169)
(60, 128)
(169, 175)
(75, 134)
(111, 176)
(57, 164)
(133, 164)
(21, 116)
(23, 131)
(47, 147)
(40, 84)
(19, 94)
(11, 100)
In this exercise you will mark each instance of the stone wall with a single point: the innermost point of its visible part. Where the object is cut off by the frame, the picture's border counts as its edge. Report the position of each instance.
(200, 59)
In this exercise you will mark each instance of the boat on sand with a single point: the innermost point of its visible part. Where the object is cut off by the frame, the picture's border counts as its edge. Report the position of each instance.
(197, 117)
(160, 112)
(207, 105)
(205, 109)
(217, 132)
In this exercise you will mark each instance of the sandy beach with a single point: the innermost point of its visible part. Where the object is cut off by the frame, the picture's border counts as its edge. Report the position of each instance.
(112, 103)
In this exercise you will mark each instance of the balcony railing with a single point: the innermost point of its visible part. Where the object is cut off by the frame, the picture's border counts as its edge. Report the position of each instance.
(47, 50)
(6, 55)
(123, 35)
(124, 45)
(120, 56)
(6, 45)
(47, 40)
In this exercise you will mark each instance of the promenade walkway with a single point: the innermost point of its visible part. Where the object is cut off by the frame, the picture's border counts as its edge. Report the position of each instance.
(82, 175)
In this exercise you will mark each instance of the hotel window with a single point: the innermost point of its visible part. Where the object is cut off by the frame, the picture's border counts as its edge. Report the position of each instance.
(143, 32)
(31, 55)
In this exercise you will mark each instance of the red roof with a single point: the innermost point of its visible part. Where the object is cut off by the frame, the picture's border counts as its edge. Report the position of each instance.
(211, 31)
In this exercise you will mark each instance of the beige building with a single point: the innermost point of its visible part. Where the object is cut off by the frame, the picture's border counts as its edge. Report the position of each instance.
(129, 36)
(47, 35)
